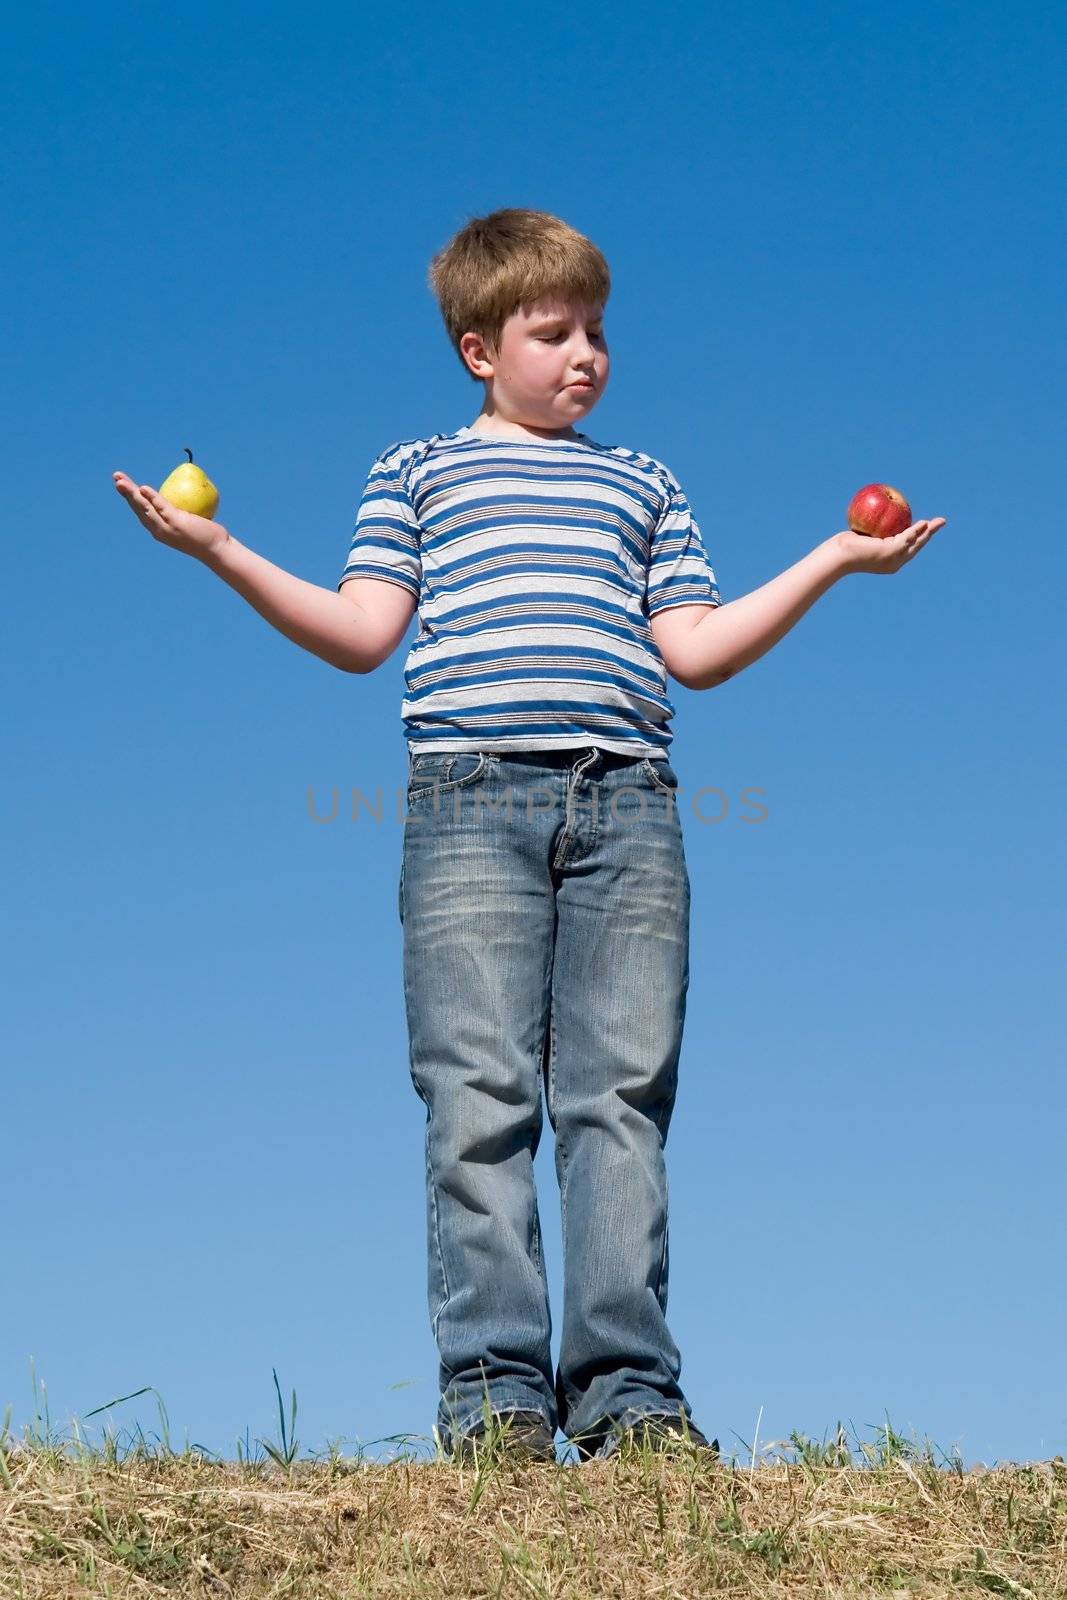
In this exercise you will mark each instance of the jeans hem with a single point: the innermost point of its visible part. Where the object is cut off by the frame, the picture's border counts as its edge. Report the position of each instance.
(498, 1404)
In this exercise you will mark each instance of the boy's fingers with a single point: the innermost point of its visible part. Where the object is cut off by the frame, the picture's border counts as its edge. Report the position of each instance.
(130, 492)
(934, 525)
(154, 502)
(146, 509)
(143, 502)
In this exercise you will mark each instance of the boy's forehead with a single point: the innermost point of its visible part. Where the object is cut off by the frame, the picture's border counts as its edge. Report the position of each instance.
(552, 306)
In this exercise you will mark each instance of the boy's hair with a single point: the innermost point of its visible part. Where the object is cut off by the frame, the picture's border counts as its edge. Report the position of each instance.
(511, 259)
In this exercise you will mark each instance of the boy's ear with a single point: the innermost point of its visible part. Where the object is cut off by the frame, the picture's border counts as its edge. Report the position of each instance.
(478, 358)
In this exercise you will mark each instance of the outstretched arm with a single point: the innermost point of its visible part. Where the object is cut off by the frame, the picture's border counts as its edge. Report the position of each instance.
(725, 640)
(353, 634)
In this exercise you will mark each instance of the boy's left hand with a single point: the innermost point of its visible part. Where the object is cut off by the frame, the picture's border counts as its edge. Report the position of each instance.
(862, 552)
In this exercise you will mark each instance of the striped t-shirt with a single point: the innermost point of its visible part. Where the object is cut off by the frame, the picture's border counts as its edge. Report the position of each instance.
(536, 565)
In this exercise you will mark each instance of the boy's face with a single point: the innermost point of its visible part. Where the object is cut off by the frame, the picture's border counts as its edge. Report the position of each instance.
(543, 351)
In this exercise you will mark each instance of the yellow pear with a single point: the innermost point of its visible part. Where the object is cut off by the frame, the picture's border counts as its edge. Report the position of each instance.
(190, 489)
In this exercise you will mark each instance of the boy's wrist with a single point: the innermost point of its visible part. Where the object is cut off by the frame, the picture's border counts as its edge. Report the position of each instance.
(839, 558)
(215, 556)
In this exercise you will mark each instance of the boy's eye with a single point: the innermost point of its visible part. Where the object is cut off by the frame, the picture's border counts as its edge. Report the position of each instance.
(595, 333)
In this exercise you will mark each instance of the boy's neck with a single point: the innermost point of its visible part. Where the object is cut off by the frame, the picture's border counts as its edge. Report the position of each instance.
(496, 427)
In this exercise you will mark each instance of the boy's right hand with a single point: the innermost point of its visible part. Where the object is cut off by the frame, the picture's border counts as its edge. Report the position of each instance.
(181, 530)
(862, 552)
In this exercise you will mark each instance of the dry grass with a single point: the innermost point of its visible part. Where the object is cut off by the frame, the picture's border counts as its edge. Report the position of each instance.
(644, 1524)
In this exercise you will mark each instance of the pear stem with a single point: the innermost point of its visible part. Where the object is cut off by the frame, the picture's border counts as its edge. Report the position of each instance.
(188, 452)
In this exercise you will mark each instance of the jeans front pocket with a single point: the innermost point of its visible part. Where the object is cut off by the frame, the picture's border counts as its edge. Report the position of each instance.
(440, 773)
(661, 774)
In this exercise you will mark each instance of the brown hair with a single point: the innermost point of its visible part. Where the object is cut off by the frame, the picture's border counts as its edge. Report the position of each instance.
(509, 260)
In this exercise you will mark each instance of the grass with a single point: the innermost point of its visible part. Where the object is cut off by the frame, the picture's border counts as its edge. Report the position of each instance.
(801, 1517)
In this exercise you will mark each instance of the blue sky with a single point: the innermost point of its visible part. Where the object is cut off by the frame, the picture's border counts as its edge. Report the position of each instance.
(836, 237)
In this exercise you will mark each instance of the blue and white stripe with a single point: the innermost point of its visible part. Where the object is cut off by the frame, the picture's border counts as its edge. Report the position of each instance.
(536, 565)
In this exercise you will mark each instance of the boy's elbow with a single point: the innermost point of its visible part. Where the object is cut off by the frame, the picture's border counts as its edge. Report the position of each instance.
(360, 667)
(713, 680)
(693, 678)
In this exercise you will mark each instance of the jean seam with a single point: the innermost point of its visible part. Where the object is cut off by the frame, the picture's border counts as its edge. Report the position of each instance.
(564, 1179)
(562, 1151)
(663, 1251)
(437, 1237)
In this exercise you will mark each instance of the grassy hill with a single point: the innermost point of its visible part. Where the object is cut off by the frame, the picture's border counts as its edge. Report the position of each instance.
(815, 1521)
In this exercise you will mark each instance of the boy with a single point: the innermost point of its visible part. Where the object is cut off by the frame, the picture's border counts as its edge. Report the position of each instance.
(557, 581)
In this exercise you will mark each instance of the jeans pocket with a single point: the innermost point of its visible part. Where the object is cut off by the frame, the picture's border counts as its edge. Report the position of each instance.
(661, 774)
(440, 773)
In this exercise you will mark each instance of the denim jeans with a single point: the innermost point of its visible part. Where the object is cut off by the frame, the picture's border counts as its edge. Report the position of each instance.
(544, 898)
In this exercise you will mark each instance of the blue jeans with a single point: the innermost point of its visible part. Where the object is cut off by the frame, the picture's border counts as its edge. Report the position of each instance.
(544, 898)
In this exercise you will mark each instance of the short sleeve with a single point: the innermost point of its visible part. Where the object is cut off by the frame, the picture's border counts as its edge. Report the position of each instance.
(385, 543)
(679, 572)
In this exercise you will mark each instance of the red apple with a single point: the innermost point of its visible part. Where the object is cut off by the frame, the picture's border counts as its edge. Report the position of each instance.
(878, 510)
